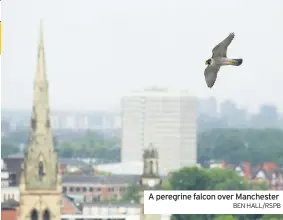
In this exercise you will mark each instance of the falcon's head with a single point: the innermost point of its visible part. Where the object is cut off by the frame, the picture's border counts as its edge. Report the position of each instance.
(208, 62)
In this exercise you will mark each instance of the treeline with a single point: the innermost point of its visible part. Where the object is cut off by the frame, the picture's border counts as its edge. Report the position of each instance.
(92, 144)
(89, 144)
(232, 145)
(237, 145)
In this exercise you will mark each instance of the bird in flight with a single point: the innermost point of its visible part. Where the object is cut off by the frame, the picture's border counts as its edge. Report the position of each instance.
(218, 59)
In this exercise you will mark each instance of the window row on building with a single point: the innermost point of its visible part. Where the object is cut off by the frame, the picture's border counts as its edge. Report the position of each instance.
(92, 189)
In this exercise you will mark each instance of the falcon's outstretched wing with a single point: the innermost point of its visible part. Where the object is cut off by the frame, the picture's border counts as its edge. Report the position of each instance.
(210, 74)
(220, 50)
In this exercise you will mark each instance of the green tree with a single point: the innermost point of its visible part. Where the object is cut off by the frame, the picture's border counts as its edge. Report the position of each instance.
(193, 178)
(189, 178)
(166, 185)
(91, 144)
(8, 149)
(190, 217)
(232, 149)
(132, 193)
(272, 217)
(225, 179)
(225, 217)
(259, 186)
(236, 145)
(65, 150)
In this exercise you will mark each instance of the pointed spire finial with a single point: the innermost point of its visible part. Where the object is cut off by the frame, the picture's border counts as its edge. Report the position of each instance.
(41, 33)
(40, 76)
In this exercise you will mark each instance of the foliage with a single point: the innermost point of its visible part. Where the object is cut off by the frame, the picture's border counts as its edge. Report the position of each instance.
(89, 144)
(101, 172)
(232, 145)
(166, 185)
(74, 173)
(225, 179)
(10, 144)
(193, 178)
(272, 217)
(20, 136)
(225, 217)
(132, 193)
(189, 178)
(260, 186)
(238, 145)
(92, 144)
(8, 149)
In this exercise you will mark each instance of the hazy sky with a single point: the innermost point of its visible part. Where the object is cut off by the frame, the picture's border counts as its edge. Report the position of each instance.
(98, 50)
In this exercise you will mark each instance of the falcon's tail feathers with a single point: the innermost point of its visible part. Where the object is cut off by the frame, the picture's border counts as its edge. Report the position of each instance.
(237, 62)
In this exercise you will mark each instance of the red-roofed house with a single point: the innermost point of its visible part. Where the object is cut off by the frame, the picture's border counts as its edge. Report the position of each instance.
(271, 173)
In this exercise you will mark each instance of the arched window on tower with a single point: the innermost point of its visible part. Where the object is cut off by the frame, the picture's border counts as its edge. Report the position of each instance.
(40, 170)
(151, 167)
(34, 215)
(46, 215)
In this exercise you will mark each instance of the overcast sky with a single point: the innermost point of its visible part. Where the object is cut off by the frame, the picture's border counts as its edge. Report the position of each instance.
(98, 50)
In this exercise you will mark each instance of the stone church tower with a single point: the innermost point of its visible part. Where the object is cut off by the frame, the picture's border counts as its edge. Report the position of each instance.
(40, 181)
(150, 179)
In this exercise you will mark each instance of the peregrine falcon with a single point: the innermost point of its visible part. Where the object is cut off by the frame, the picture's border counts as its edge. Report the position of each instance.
(218, 59)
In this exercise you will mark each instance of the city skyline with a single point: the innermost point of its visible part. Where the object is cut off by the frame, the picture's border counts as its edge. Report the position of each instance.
(116, 109)
(111, 49)
(226, 115)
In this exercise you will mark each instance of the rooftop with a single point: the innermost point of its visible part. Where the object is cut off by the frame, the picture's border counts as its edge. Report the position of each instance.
(102, 179)
(112, 204)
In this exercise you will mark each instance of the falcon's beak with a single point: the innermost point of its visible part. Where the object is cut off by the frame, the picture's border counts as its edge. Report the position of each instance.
(206, 62)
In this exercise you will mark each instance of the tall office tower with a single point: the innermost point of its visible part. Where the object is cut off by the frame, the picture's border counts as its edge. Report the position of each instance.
(164, 118)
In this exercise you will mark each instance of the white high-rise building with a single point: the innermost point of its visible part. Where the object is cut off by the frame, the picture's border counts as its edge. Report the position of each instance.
(165, 118)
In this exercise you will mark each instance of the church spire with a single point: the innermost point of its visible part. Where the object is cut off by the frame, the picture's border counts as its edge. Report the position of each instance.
(40, 182)
(40, 115)
(40, 160)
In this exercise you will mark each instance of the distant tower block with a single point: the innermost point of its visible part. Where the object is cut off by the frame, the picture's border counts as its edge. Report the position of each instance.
(164, 117)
